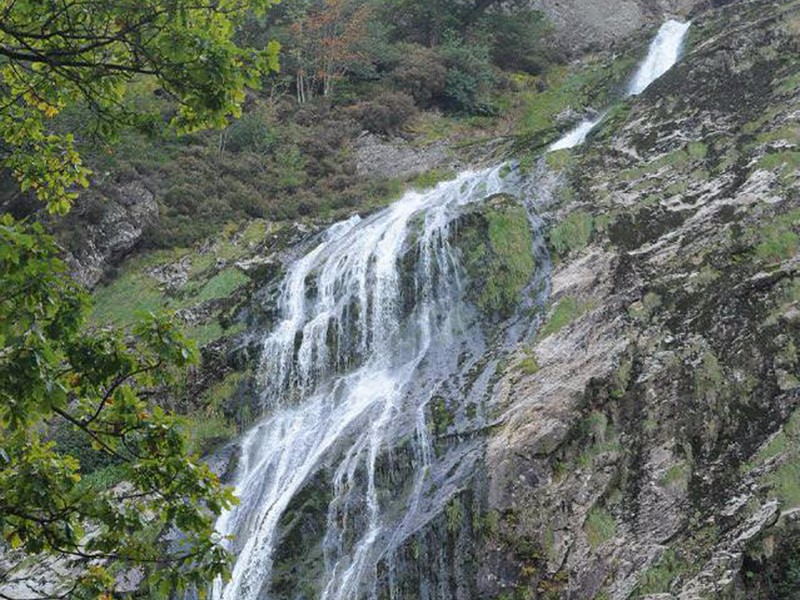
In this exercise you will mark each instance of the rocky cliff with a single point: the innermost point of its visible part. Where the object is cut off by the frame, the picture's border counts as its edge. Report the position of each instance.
(581, 25)
(653, 449)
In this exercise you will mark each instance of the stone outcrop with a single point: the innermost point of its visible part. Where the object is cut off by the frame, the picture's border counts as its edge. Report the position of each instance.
(586, 25)
(654, 451)
(126, 211)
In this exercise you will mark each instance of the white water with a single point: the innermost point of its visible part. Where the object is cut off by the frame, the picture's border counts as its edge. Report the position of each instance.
(578, 135)
(347, 371)
(664, 52)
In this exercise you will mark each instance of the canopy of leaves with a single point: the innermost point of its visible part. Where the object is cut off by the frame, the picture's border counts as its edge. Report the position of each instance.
(57, 53)
(104, 385)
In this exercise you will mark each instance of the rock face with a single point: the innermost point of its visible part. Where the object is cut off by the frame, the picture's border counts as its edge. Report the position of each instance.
(127, 210)
(379, 157)
(654, 452)
(583, 25)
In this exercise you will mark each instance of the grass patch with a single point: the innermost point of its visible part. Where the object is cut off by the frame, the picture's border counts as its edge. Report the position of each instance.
(223, 284)
(572, 234)
(677, 477)
(778, 240)
(528, 365)
(659, 578)
(786, 481)
(600, 526)
(131, 294)
(497, 247)
(566, 311)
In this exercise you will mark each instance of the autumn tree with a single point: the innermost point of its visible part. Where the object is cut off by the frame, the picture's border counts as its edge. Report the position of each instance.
(327, 40)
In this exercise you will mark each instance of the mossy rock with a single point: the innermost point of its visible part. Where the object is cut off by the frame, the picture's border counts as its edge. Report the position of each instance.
(496, 245)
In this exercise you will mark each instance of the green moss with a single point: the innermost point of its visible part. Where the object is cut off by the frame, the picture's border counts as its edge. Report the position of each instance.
(455, 515)
(498, 256)
(697, 150)
(777, 239)
(431, 178)
(528, 365)
(567, 310)
(785, 162)
(223, 284)
(708, 377)
(573, 233)
(442, 418)
(559, 160)
(677, 477)
(659, 578)
(644, 308)
(600, 526)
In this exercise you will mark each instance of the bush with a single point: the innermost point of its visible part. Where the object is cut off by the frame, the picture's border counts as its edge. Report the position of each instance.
(252, 132)
(421, 73)
(388, 113)
(470, 77)
(516, 40)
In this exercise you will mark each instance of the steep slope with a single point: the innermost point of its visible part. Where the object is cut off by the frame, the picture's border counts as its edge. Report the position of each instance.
(655, 449)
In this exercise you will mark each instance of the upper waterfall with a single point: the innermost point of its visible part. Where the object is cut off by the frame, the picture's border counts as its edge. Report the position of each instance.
(664, 52)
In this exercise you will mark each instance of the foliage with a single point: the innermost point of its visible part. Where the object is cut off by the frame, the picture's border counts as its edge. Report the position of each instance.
(100, 383)
(470, 76)
(327, 38)
(573, 233)
(497, 248)
(88, 52)
(420, 72)
(388, 113)
(599, 526)
(567, 310)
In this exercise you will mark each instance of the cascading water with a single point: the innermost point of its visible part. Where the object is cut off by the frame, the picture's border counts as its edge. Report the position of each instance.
(372, 328)
(664, 51)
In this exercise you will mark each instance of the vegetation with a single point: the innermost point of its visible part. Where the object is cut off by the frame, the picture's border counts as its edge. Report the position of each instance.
(77, 400)
(659, 578)
(572, 234)
(498, 255)
(599, 526)
(96, 388)
(567, 310)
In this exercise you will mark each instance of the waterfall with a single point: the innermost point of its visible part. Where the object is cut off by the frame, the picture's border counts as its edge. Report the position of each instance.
(371, 328)
(664, 52)
(662, 55)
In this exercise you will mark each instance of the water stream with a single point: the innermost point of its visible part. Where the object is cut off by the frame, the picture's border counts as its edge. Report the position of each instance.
(664, 52)
(373, 327)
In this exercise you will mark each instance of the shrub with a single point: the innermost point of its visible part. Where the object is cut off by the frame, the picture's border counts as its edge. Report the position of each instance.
(516, 40)
(421, 73)
(388, 113)
(252, 132)
(470, 77)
